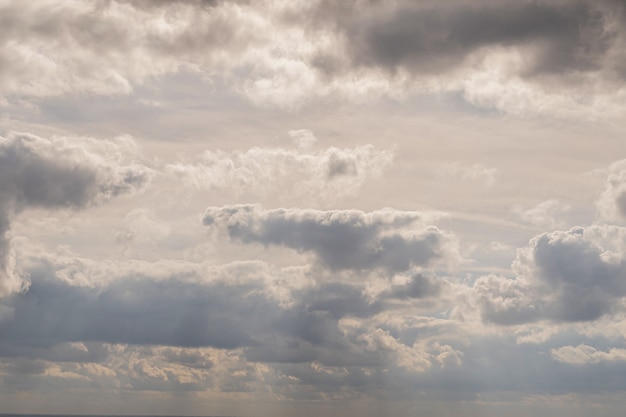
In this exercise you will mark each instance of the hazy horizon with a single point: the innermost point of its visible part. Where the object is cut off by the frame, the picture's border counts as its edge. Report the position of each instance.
(313, 207)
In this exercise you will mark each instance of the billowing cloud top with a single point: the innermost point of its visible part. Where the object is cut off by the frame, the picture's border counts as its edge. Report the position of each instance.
(341, 239)
(576, 275)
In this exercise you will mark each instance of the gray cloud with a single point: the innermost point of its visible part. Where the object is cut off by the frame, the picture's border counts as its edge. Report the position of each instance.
(567, 36)
(418, 286)
(238, 306)
(551, 48)
(341, 239)
(55, 173)
(134, 311)
(224, 330)
(572, 276)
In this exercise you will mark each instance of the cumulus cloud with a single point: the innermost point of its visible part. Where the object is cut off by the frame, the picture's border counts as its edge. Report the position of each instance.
(515, 58)
(341, 239)
(174, 326)
(563, 276)
(300, 173)
(54, 173)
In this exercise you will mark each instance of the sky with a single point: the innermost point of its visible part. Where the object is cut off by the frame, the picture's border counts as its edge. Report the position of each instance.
(313, 207)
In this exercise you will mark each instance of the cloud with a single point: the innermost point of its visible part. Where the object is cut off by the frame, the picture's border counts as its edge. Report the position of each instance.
(543, 57)
(416, 286)
(584, 354)
(112, 45)
(548, 213)
(299, 173)
(132, 312)
(57, 173)
(563, 276)
(174, 326)
(563, 36)
(611, 204)
(247, 308)
(392, 240)
(141, 228)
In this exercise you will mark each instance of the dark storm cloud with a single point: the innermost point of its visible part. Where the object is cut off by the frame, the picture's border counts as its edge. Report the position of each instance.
(341, 239)
(564, 277)
(428, 37)
(53, 173)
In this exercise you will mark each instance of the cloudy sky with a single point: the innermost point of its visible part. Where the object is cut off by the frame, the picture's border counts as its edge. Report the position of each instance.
(313, 207)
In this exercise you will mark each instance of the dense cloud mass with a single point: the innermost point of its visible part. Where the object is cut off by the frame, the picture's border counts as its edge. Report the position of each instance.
(250, 306)
(424, 37)
(348, 239)
(285, 54)
(136, 311)
(55, 173)
(570, 276)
